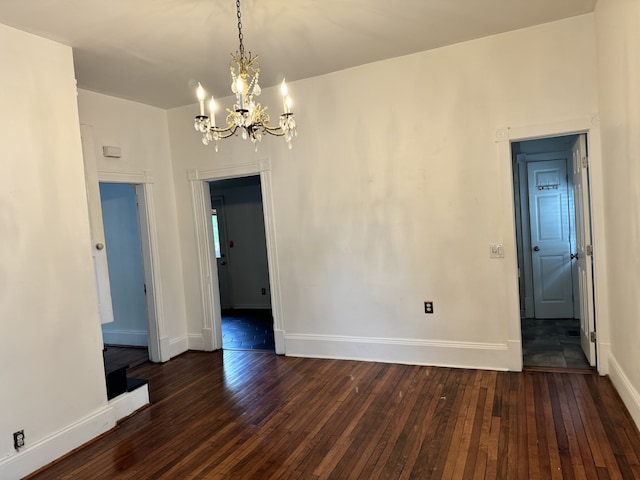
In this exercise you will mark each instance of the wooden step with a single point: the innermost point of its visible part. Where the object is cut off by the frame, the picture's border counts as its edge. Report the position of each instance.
(134, 383)
(116, 377)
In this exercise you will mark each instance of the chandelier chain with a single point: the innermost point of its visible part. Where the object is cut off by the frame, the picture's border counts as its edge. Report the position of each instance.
(240, 37)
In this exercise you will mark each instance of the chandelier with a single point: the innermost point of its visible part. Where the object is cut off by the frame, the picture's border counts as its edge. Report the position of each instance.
(247, 116)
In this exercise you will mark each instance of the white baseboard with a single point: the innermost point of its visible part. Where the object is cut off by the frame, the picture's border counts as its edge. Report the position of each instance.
(45, 451)
(484, 356)
(207, 340)
(178, 346)
(125, 337)
(604, 354)
(279, 340)
(195, 342)
(629, 395)
(514, 355)
(130, 402)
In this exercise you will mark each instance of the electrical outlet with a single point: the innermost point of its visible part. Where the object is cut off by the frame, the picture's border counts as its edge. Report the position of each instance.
(18, 440)
(428, 307)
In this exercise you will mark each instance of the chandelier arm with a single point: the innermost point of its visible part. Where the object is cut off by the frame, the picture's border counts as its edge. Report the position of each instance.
(275, 131)
(224, 132)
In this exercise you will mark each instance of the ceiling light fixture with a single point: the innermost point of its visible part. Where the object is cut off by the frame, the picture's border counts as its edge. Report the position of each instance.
(247, 114)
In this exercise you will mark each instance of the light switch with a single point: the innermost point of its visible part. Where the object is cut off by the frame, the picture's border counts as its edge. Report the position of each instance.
(496, 250)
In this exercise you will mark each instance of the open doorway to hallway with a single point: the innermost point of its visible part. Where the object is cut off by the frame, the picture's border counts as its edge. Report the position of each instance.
(553, 231)
(237, 220)
(126, 338)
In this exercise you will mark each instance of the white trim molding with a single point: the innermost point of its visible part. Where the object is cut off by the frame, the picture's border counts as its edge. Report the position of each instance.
(151, 264)
(119, 176)
(130, 402)
(209, 294)
(137, 338)
(628, 394)
(503, 138)
(210, 336)
(50, 448)
(176, 346)
(483, 356)
(144, 184)
(273, 262)
(195, 342)
(59, 443)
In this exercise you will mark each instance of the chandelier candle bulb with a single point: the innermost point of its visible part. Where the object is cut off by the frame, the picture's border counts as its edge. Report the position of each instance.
(200, 95)
(284, 90)
(240, 90)
(212, 109)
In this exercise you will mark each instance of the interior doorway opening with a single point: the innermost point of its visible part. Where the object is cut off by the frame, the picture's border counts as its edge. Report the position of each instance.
(240, 246)
(553, 235)
(126, 339)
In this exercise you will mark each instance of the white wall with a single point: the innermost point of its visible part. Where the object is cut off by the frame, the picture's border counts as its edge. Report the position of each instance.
(392, 194)
(618, 44)
(390, 197)
(52, 375)
(141, 133)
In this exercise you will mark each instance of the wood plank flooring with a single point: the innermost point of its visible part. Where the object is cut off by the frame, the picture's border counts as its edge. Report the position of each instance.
(253, 415)
(124, 355)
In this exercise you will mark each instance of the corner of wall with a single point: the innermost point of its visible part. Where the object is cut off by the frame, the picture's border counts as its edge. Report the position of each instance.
(629, 395)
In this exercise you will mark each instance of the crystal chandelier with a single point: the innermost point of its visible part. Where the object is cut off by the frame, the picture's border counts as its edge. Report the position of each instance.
(247, 114)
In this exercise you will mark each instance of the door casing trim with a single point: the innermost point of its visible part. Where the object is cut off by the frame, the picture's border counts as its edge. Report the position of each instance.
(208, 276)
(504, 136)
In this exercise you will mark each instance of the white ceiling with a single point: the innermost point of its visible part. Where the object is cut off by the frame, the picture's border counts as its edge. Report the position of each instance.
(154, 51)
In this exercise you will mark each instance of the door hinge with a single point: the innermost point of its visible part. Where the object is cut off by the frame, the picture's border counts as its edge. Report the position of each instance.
(589, 250)
(585, 162)
(592, 337)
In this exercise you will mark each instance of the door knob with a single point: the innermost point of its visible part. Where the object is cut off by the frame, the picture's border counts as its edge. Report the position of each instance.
(536, 248)
(100, 246)
(575, 255)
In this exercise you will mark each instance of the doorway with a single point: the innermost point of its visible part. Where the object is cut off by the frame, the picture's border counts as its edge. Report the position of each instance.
(240, 247)
(553, 235)
(126, 338)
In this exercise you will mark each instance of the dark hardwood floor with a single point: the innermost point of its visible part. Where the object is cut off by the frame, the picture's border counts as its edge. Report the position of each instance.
(254, 415)
(126, 355)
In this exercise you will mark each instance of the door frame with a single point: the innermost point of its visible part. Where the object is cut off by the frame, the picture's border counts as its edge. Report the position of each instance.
(138, 221)
(504, 137)
(199, 179)
(143, 183)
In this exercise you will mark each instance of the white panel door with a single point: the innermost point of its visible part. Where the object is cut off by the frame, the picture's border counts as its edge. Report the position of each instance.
(583, 243)
(98, 250)
(550, 239)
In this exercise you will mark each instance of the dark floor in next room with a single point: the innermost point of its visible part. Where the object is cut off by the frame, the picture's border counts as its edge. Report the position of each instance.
(126, 355)
(552, 343)
(245, 329)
